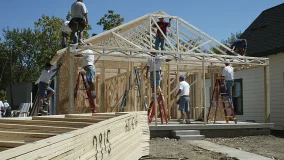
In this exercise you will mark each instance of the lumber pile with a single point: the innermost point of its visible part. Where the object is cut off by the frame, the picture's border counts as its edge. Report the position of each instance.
(104, 136)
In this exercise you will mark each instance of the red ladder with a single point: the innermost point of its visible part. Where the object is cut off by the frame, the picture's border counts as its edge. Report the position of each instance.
(89, 93)
(162, 110)
(223, 94)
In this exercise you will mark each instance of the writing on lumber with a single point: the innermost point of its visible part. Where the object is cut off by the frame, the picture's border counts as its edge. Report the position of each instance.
(131, 123)
(102, 143)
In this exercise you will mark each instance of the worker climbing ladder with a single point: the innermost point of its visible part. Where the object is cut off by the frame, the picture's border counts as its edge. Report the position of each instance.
(222, 97)
(82, 74)
(160, 106)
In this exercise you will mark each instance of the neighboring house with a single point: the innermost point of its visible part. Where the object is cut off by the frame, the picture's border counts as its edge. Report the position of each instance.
(265, 37)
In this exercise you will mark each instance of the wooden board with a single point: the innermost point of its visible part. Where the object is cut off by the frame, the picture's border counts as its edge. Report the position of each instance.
(119, 136)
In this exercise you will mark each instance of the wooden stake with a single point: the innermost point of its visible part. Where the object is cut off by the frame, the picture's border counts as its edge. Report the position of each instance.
(204, 93)
(169, 91)
(266, 94)
(71, 81)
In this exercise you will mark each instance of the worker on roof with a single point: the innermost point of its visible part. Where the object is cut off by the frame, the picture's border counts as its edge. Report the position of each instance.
(160, 39)
(228, 74)
(183, 102)
(79, 20)
(88, 63)
(240, 46)
(43, 86)
(157, 70)
(66, 31)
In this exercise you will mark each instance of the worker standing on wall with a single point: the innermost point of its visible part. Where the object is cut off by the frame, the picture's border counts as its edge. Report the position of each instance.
(159, 36)
(228, 74)
(184, 99)
(79, 20)
(88, 63)
(66, 31)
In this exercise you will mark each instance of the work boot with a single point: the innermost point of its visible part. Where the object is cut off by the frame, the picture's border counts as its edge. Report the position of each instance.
(94, 94)
(182, 122)
(81, 42)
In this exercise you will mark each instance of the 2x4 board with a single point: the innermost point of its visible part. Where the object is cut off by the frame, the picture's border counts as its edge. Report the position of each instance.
(112, 136)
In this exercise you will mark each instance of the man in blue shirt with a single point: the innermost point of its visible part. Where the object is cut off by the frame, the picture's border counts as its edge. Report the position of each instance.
(240, 46)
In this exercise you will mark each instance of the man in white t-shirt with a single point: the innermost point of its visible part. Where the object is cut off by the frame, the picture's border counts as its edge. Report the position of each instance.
(184, 99)
(79, 20)
(43, 86)
(66, 31)
(88, 63)
(157, 70)
(2, 110)
(228, 74)
(6, 106)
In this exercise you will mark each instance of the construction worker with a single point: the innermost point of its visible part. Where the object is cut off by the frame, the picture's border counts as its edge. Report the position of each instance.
(159, 36)
(1, 109)
(88, 63)
(6, 108)
(183, 93)
(66, 31)
(228, 74)
(240, 46)
(79, 20)
(43, 86)
(157, 70)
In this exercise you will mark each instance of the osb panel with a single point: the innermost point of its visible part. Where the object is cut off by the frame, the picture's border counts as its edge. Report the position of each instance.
(115, 87)
(63, 98)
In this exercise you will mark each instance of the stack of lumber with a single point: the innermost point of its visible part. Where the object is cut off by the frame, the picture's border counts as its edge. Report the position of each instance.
(111, 136)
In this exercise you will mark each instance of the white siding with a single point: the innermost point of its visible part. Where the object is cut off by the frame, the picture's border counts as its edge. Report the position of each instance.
(277, 90)
(253, 92)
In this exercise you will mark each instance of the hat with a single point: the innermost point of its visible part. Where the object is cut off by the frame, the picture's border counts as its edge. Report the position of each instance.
(182, 76)
(48, 65)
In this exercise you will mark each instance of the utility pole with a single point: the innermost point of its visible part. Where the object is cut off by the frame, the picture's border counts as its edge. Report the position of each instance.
(11, 74)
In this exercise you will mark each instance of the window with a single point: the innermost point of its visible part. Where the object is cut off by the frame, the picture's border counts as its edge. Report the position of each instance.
(238, 96)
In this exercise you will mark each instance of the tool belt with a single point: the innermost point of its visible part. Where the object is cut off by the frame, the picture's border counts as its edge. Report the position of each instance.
(74, 21)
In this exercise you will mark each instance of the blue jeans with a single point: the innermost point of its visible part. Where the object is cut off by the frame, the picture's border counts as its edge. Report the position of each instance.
(158, 78)
(42, 90)
(229, 85)
(64, 39)
(184, 104)
(158, 41)
(90, 73)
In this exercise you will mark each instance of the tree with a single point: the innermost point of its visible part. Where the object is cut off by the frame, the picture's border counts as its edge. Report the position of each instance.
(110, 20)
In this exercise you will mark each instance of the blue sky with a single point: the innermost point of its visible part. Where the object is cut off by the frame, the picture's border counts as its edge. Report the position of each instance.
(217, 18)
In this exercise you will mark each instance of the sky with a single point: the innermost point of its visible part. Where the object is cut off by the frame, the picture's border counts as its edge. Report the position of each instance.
(218, 18)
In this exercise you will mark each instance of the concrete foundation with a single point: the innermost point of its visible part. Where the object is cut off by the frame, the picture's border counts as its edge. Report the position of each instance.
(221, 129)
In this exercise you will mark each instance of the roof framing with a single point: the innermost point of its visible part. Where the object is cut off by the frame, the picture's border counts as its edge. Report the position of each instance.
(184, 42)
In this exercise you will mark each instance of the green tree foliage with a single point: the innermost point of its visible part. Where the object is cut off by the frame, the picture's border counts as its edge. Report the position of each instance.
(110, 20)
(228, 42)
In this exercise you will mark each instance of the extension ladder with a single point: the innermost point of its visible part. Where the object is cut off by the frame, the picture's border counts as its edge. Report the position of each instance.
(162, 110)
(89, 93)
(138, 83)
(221, 97)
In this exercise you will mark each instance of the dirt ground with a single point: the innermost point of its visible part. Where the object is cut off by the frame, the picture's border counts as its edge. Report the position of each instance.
(268, 146)
(165, 149)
